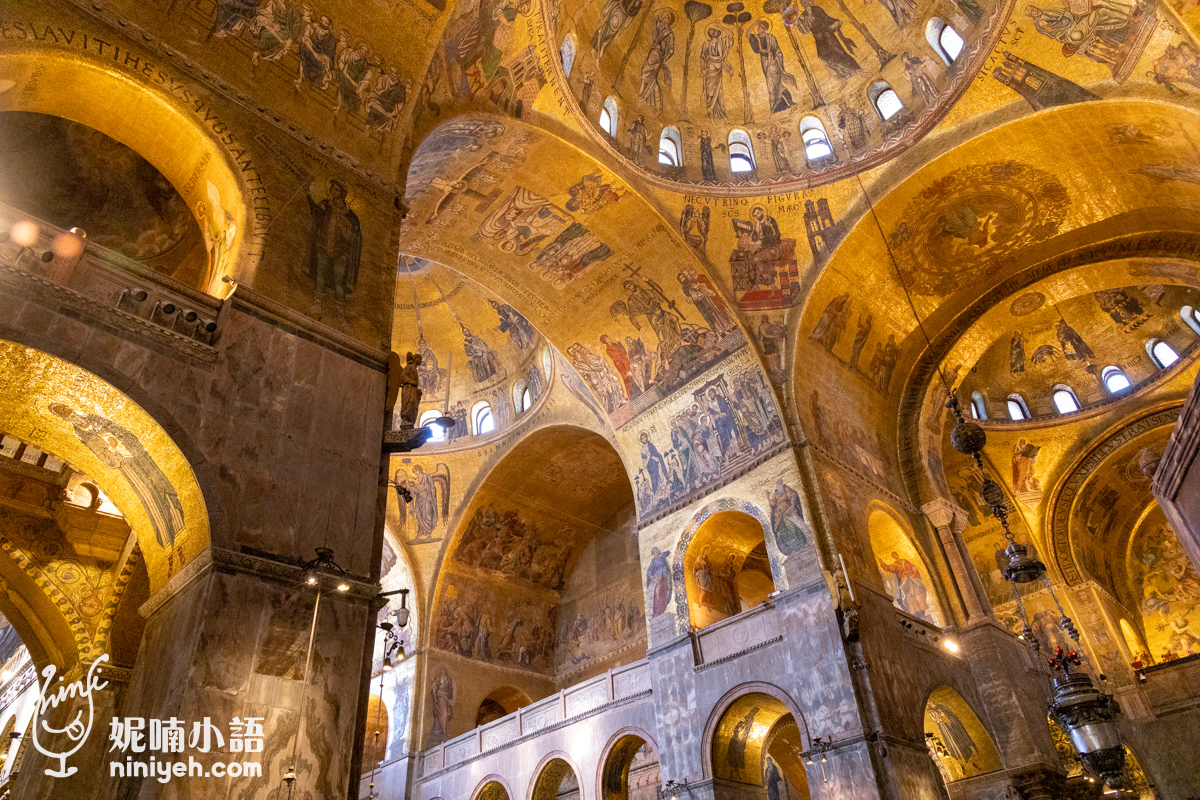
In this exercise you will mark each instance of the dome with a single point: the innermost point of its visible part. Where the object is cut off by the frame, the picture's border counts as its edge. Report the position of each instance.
(697, 94)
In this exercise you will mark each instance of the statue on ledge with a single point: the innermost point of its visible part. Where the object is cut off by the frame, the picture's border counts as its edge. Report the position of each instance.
(410, 391)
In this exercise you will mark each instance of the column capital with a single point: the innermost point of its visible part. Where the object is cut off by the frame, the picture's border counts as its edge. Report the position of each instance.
(943, 514)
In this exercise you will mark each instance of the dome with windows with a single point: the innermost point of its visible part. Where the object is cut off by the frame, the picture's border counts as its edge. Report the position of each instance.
(1079, 352)
(777, 92)
(482, 363)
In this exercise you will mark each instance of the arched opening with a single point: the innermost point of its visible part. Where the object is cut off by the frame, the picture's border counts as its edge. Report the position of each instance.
(567, 53)
(500, 703)
(631, 770)
(816, 142)
(904, 573)
(492, 790)
(556, 781)
(1115, 381)
(540, 587)
(959, 744)
(978, 406)
(1017, 408)
(1161, 353)
(1064, 399)
(885, 100)
(482, 419)
(944, 40)
(1191, 318)
(159, 131)
(757, 742)
(436, 432)
(376, 739)
(726, 570)
(1163, 580)
(741, 152)
(608, 116)
(670, 147)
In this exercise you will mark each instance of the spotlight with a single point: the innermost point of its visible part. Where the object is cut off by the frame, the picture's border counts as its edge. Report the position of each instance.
(343, 587)
(311, 579)
(951, 645)
(24, 233)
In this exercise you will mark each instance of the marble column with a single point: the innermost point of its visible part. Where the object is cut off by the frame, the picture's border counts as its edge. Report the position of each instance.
(949, 521)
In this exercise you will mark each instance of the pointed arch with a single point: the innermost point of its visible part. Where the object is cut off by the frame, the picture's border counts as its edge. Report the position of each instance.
(903, 569)
(958, 742)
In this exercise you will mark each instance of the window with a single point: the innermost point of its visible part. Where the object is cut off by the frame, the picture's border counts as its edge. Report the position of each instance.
(816, 142)
(741, 153)
(608, 117)
(1065, 400)
(669, 149)
(885, 100)
(520, 396)
(944, 40)
(567, 53)
(484, 421)
(1017, 410)
(1161, 353)
(978, 407)
(1191, 318)
(436, 432)
(1114, 380)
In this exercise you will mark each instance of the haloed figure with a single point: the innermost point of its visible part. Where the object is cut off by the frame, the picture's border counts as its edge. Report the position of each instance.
(334, 249)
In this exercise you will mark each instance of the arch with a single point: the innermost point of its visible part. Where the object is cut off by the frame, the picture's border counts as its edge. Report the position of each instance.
(725, 567)
(1018, 409)
(617, 761)
(555, 771)
(436, 432)
(817, 147)
(1138, 652)
(741, 152)
(566, 52)
(753, 727)
(902, 567)
(483, 421)
(958, 741)
(608, 116)
(670, 147)
(1065, 399)
(978, 406)
(944, 39)
(1191, 317)
(152, 124)
(884, 100)
(492, 787)
(1114, 380)
(499, 703)
(375, 735)
(521, 397)
(1161, 353)
(66, 410)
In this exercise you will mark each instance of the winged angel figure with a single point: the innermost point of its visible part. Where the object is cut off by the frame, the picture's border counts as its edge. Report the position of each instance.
(425, 506)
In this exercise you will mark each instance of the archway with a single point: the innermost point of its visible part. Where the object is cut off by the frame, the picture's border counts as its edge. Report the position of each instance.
(500, 703)
(960, 745)
(904, 573)
(557, 780)
(152, 125)
(757, 742)
(725, 567)
(630, 768)
(492, 790)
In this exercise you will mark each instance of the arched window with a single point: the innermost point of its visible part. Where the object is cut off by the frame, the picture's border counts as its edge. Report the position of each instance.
(436, 432)
(1065, 400)
(978, 407)
(670, 149)
(1191, 318)
(1161, 353)
(608, 117)
(741, 154)
(887, 103)
(483, 419)
(1114, 380)
(816, 141)
(520, 397)
(567, 53)
(944, 40)
(1017, 410)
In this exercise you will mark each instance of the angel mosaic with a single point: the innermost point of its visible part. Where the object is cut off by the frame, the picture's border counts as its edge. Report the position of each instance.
(430, 504)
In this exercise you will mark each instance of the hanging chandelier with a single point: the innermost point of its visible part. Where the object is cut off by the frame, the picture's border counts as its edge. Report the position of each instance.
(1086, 712)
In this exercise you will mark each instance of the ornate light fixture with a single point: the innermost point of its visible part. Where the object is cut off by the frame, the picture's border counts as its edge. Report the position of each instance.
(670, 790)
(1084, 711)
(816, 754)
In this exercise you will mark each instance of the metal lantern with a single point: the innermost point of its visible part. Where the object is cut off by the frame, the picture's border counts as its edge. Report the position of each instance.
(1089, 716)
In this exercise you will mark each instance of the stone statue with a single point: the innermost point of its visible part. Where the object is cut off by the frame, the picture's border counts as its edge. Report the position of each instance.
(410, 391)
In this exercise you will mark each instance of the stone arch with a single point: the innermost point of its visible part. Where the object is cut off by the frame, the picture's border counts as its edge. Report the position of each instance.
(61, 407)
(740, 732)
(679, 565)
(902, 566)
(959, 742)
(492, 787)
(500, 702)
(616, 760)
(157, 126)
(555, 770)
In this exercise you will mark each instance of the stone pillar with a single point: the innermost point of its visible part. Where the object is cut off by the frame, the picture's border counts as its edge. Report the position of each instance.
(1176, 478)
(949, 521)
